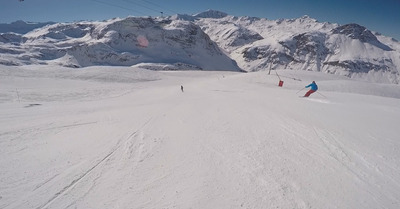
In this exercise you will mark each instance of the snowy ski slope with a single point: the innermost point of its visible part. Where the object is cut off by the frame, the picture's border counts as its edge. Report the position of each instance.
(121, 137)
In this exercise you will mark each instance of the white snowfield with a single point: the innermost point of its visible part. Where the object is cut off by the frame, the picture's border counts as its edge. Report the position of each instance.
(122, 137)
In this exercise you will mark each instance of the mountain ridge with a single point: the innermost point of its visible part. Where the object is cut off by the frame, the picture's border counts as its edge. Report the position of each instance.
(211, 40)
(128, 41)
(306, 44)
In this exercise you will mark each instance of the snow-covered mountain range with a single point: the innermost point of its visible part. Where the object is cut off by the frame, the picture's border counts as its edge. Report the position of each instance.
(304, 44)
(210, 40)
(124, 42)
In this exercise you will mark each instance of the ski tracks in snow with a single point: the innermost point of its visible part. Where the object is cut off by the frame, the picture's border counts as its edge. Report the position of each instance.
(339, 153)
(309, 147)
(366, 173)
(118, 164)
(74, 182)
(126, 147)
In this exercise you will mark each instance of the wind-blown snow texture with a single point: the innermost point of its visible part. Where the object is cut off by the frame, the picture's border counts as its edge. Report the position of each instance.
(124, 137)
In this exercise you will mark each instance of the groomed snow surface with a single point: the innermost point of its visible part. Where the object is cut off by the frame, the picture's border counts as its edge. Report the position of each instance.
(123, 137)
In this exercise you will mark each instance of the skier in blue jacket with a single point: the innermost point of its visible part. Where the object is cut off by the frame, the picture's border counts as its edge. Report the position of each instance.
(313, 89)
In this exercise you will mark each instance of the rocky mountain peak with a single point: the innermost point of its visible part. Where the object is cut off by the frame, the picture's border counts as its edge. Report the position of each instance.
(211, 14)
(361, 33)
(355, 31)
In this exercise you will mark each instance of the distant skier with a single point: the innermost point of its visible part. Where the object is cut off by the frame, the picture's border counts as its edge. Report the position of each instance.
(181, 88)
(313, 89)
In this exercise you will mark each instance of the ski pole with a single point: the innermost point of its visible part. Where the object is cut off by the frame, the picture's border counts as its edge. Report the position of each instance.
(300, 90)
(322, 94)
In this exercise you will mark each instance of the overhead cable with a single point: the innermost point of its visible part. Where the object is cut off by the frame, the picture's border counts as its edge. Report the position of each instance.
(118, 6)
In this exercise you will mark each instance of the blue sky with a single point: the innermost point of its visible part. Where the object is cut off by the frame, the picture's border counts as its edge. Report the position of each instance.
(378, 15)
